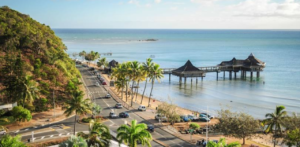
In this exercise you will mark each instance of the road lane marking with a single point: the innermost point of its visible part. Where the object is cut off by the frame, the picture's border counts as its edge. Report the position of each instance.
(51, 135)
(42, 137)
(59, 134)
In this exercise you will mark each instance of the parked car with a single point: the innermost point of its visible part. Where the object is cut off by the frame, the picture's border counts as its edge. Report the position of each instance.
(192, 117)
(97, 84)
(206, 119)
(150, 128)
(101, 79)
(99, 76)
(124, 115)
(209, 116)
(113, 115)
(2, 132)
(92, 69)
(104, 83)
(108, 96)
(185, 118)
(142, 108)
(118, 105)
(161, 118)
(84, 65)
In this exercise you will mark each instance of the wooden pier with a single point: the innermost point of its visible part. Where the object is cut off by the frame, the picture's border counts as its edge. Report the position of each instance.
(251, 64)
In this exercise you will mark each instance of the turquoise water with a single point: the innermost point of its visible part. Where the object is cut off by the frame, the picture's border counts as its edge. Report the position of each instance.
(280, 49)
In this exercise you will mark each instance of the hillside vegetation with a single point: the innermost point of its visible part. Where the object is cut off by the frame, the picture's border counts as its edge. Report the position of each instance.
(33, 63)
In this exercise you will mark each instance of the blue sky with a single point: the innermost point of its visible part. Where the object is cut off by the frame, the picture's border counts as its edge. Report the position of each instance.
(171, 14)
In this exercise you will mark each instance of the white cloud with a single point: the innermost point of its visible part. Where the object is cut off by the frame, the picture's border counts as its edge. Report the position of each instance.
(204, 2)
(157, 1)
(174, 8)
(148, 5)
(133, 2)
(266, 8)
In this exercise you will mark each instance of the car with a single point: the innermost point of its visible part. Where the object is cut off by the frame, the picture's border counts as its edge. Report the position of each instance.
(104, 83)
(150, 128)
(84, 65)
(97, 84)
(2, 132)
(192, 117)
(92, 69)
(142, 108)
(101, 79)
(185, 118)
(209, 116)
(99, 76)
(124, 115)
(108, 96)
(112, 115)
(118, 105)
(161, 118)
(206, 119)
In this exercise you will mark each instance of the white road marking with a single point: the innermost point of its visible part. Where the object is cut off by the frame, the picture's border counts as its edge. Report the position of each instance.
(59, 134)
(25, 129)
(42, 137)
(17, 131)
(51, 135)
(68, 133)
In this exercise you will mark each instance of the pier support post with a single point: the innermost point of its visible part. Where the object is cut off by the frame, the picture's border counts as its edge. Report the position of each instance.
(217, 76)
(251, 75)
(242, 74)
(180, 80)
(201, 78)
(257, 74)
(235, 75)
(184, 80)
(196, 80)
(224, 75)
(169, 77)
(191, 80)
(245, 75)
(230, 75)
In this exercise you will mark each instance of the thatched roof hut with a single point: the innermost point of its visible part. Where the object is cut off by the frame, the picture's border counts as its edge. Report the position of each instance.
(188, 70)
(112, 64)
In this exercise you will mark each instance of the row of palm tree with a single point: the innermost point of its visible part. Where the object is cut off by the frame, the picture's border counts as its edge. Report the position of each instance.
(91, 56)
(135, 73)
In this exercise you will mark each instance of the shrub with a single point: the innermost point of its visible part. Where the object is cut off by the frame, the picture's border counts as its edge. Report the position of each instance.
(86, 120)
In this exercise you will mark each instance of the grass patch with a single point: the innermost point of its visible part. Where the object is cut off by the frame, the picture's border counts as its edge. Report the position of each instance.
(10, 120)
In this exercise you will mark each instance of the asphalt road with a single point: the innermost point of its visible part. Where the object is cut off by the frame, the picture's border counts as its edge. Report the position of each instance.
(97, 93)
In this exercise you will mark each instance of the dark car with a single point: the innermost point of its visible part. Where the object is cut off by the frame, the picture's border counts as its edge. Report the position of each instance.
(92, 68)
(124, 115)
(150, 128)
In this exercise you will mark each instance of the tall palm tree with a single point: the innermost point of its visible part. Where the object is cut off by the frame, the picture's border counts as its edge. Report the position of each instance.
(99, 135)
(156, 73)
(146, 68)
(131, 134)
(120, 73)
(141, 76)
(77, 104)
(133, 74)
(274, 122)
(31, 91)
(222, 143)
(102, 62)
(82, 54)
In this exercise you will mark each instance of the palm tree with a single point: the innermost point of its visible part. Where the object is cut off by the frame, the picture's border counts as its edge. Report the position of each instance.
(137, 132)
(222, 143)
(141, 76)
(102, 62)
(133, 74)
(156, 73)
(30, 90)
(82, 54)
(146, 68)
(120, 73)
(99, 135)
(77, 104)
(74, 141)
(274, 122)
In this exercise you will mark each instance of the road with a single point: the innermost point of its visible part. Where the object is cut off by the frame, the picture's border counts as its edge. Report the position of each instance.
(97, 93)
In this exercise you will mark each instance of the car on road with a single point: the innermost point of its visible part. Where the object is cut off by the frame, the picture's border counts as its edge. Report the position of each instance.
(108, 96)
(101, 79)
(97, 84)
(206, 119)
(92, 69)
(99, 76)
(112, 115)
(3, 132)
(161, 118)
(209, 116)
(104, 83)
(142, 108)
(185, 118)
(119, 106)
(124, 115)
(84, 65)
(150, 128)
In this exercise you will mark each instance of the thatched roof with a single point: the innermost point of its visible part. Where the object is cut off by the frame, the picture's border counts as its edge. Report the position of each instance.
(250, 61)
(112, 63)
(188, 66)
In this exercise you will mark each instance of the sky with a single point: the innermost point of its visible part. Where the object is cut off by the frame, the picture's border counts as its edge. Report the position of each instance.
(162, 14)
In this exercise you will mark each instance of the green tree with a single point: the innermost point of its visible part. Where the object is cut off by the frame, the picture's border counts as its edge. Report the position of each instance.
(74, 141)
(9, 141)
(193, 127)
(134, 67)
(77, 104)
(156, 73)
(292, 138)
(274, 121)
(237, 124)
(96, 109)
(82, 54)
(99, 135)
(147, 66)
(92, 56)
(222, 143)
(21, 114)
(102, 62)
(131, 134)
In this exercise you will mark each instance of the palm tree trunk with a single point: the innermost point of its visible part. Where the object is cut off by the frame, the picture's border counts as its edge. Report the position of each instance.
(243, 140)
(126, 91)
(132, 95)
(75, 123)
(151, 92)
(144, 90)
(137, 90)
(122, 89)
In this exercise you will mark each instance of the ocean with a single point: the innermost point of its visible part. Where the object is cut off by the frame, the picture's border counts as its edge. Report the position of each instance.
(279, 83)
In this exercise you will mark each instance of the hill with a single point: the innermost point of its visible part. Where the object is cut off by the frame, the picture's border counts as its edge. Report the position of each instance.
(33, 63)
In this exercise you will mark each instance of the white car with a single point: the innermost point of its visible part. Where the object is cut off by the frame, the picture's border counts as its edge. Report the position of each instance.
(142, 108)
(108, 96)
(97, 84)
(2, 132)
(161, 118)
